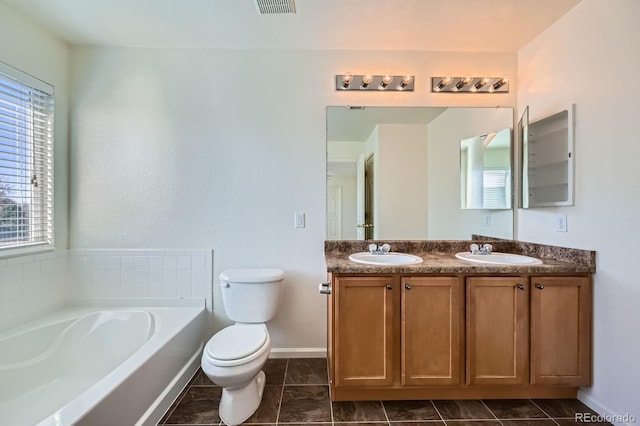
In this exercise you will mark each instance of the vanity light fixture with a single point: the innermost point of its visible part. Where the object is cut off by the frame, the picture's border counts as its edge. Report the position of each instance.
(470, 84)
(383, 83)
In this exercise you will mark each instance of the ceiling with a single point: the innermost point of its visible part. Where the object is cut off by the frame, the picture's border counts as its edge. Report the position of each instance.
(424, 25)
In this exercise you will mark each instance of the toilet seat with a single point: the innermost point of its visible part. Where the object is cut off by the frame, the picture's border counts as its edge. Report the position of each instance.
(237, 344)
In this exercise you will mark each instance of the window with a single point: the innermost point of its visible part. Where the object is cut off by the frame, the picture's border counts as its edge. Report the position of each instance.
(26, 162)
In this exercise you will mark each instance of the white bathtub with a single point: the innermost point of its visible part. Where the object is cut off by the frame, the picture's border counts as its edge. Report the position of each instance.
(99, 365)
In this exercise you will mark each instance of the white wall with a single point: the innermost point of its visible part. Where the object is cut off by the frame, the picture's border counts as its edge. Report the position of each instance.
(27, 47)
(402, 167)
(590, 58)
(211, 149)
(444, 135)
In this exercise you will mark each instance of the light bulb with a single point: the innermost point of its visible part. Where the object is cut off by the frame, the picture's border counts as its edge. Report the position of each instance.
(500, 83)
(346, 80)
(406, 80)
(482, 82)
(386, 80)
(366, 80)
(444, 82)
(463, 82)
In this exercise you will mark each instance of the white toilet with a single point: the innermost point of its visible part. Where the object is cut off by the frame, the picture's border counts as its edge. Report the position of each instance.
(233, 358)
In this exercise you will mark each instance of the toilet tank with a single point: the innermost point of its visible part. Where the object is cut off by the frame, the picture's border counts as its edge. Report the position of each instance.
(251, 295)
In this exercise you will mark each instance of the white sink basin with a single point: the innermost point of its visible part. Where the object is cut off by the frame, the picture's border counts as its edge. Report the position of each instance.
(497, 258)
(389, 259)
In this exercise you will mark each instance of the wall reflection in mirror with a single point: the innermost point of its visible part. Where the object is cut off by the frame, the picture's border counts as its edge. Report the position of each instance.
(485, 171)
(394, 173)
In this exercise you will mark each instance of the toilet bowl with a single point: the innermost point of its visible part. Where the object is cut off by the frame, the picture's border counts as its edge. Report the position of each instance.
(233, 358)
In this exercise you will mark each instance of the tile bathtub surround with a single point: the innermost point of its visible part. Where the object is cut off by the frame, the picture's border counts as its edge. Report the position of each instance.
(297, 393)
(32, 285)
(141, 273)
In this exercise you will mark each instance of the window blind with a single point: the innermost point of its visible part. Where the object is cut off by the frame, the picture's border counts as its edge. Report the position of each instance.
(495, 189)
(26, 161)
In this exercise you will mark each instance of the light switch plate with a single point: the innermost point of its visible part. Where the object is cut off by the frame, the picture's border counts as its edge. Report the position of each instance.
(561, 223)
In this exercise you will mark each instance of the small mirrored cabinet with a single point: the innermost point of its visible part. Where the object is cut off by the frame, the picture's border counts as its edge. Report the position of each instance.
(546, 146)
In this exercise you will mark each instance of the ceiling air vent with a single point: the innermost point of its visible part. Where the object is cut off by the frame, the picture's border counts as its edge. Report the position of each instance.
(265, 7)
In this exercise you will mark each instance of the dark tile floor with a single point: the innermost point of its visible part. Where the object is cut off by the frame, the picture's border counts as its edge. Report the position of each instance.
(297, 393)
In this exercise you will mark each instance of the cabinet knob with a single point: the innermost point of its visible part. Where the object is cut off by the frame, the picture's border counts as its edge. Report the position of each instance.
(389, 287)
(539, 286)
(521, 287)
(407, 286)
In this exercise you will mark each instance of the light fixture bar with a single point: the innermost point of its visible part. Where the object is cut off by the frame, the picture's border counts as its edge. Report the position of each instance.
(470, 84)
(381, 83)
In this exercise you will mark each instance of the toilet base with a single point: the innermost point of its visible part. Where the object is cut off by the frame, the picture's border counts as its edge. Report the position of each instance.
(238, 404)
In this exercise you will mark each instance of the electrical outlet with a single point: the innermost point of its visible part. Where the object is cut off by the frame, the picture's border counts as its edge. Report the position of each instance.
(299, 220)
(561, 223)
(486, 219)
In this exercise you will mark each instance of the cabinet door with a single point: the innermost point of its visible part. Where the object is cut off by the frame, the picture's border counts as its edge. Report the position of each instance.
(432, 318)
(364, 331)
(561, 330)
(497, 330)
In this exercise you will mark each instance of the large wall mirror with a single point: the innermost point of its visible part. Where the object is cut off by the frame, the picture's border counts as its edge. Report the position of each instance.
(394, 173)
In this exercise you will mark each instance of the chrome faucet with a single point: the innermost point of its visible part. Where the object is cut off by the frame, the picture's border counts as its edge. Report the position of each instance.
(476, 249)
(382, 249)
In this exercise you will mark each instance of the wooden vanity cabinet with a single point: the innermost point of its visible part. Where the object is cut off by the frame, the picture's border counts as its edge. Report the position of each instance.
(458, 337)
(363, 329)
(561, 330)
(395, 331)
(497, 330)
(523, 330)
(432, 330)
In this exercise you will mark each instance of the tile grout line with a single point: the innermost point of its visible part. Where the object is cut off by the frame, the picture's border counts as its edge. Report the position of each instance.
(437, 411)
(284, 379)
(329, 389)
(544, 412)
(491, 411)
(384, 410)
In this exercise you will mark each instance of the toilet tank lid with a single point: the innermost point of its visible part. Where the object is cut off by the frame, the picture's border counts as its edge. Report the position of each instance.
(251, 275)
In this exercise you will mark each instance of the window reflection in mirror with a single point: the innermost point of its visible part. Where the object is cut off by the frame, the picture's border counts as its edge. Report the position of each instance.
(485, 171)
(415, 187)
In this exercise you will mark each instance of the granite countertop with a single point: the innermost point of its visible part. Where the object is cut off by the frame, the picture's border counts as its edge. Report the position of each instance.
(439, 257)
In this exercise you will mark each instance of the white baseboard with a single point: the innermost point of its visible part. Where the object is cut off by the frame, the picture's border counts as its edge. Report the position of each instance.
(298, 353)
(625, 419)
